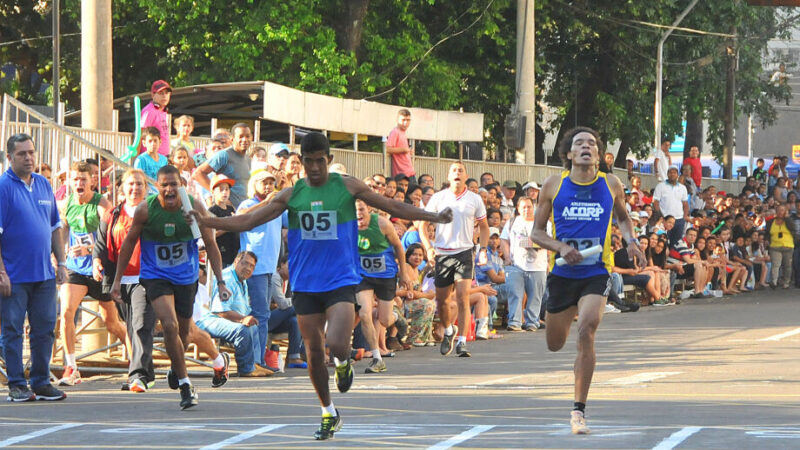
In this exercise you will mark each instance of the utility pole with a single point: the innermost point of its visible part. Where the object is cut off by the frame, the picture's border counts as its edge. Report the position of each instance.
(56, 57)
(526, 80)
(730, 108)
(97, 89)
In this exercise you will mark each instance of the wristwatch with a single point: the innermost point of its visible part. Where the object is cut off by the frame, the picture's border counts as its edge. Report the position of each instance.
(62, 264)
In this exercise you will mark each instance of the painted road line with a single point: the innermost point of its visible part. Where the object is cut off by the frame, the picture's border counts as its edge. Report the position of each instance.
(465, 436)
(500, 380)
(35, 434)
(778, 337)
(242, 437)
(676, 438)
(639, 378)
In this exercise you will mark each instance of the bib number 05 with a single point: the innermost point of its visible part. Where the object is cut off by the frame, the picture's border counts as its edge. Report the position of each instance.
(318, 225)
(171, 255)
(373, 264)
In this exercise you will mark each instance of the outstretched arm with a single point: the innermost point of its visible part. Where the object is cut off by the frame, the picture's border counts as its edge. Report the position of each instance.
(401, 210)
(254, 218)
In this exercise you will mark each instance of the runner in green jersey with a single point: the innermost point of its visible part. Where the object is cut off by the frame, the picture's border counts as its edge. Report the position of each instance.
(169, 269)
(323, 258)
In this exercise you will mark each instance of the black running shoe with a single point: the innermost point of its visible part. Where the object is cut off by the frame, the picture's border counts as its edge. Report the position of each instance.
(172, 379)
(329, 425)
(49, 393)
(461, 350)
(221, 375)
(344, 378)
(447, 342)
(188, 396)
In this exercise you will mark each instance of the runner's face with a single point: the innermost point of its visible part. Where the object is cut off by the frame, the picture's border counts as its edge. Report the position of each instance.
(316, 167)
(168, 185)
(245, 266)
(362, 214)
(80, 182)
(133, 188)
(584, 151)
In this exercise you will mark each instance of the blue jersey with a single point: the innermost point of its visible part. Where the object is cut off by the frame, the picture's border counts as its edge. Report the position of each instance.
(581, 217)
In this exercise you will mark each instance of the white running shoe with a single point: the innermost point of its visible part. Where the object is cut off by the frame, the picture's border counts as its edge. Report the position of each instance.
(578, 423)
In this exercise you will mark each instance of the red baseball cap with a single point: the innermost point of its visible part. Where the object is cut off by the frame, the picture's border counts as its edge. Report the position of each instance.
(160, 85)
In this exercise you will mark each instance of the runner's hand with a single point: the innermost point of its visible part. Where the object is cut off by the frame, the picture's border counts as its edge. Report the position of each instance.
(97, 270)
(570, 254)
(224, 293)
(446, 216)
(483, 259)
(116, 293)
(5, 284)
(635, 253)
(193, 215)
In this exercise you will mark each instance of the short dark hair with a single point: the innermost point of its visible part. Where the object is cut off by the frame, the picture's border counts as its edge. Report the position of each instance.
(566, 143)
(491, 211)
(410, 251)
(80, 166)
(11, 144)
(314, 142)
(151, 131)
(404, 112)
(168, 170)
(426, 175)
(239, 125)
(244, 253)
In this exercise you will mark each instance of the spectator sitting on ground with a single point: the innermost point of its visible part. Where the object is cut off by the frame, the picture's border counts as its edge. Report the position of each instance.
(632, 272)
(283, 318)
(231, 320)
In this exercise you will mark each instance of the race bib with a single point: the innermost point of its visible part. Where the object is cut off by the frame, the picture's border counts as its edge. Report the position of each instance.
(583, 244)
(172, 255)
(84, 240)
(317, 225)
(373, 264)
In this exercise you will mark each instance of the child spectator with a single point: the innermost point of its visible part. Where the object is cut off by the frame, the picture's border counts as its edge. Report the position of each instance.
(227, 241)
(151, 160)
(184, 125)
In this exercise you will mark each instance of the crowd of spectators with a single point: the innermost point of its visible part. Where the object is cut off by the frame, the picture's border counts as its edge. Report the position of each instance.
(698, 241)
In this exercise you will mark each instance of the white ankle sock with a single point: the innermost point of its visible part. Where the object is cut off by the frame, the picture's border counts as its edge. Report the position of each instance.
(339, 363)
(219, 361)
(462, 340)
(376, 354)
(449, 330)
(69, 360)
(183, 381)
(329, 410)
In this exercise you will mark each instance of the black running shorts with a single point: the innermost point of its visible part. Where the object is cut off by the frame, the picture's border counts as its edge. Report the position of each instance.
(182, 293)
(564, 293)
(451, 268)
(95, 287)
(385, 288)
(318, 302)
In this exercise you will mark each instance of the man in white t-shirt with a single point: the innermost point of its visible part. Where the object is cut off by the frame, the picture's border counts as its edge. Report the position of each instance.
(670, 198)
(526, 269)
(452, 252)
(663, 160)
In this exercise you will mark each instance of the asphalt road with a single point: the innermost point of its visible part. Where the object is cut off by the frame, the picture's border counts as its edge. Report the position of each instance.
(715, 373)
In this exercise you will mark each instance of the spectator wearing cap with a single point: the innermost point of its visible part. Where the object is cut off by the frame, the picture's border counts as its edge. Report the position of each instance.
(155, 114)
(670, 198)
(526, 269)
(277, 156)
(397, 147)
(227, 241)
(265, 241)
(30, 231)
(531, 190)
(509, 191)
(231, 162)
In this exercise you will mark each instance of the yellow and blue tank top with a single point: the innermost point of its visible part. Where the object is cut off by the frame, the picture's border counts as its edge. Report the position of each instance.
(83, 221)
(168, 249)
(323, 236)
(581, 217)
(376, 255)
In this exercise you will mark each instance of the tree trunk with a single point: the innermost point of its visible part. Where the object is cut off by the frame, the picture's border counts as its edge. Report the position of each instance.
(351, 24)
(694, 131)
(730, 105)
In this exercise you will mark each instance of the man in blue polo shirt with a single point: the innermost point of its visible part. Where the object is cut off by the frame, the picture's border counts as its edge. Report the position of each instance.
(29, 232)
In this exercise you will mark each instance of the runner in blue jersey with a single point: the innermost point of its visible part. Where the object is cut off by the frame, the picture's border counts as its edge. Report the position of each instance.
(579, 204)
(169, 269)
(323, 260)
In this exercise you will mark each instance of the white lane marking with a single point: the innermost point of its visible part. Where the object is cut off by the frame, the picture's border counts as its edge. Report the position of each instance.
(640, 378)
(35, 434)
(459, 438)
(676, 438)
(778, 337)
(500, 380)
(242, 437)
